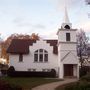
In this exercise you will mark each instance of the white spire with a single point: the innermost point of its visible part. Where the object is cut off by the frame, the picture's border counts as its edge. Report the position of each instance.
(66, 18)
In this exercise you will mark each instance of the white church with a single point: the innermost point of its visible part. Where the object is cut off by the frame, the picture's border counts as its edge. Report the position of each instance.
(44, 55)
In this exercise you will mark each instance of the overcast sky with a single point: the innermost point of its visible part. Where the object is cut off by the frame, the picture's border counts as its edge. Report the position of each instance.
(41, 16)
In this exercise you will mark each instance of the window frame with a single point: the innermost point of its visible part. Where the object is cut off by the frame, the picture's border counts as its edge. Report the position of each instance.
(68, 37)
(41, 53)
(20, 57)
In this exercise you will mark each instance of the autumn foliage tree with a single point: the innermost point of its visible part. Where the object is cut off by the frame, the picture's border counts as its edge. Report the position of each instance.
(5, 44)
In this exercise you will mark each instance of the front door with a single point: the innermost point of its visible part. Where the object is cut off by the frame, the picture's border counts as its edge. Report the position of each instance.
(68, 70)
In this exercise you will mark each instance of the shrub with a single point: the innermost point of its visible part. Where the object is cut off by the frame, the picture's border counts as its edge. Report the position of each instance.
(84, 70)
(86, 77)
(10, 70)
(75, 86)
(52, 73)
(4, 72)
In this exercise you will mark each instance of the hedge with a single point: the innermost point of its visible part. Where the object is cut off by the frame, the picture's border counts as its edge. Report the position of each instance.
(84, 70)
(12, 73)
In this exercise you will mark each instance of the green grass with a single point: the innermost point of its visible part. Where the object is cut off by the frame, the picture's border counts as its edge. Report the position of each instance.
(28, 83)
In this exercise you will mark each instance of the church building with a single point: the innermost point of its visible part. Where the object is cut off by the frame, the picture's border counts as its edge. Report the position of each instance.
(44, 55)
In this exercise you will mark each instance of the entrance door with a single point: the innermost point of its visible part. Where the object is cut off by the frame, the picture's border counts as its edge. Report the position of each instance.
(68, 70)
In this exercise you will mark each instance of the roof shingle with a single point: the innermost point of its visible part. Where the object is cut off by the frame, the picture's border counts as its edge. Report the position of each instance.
(21, 46)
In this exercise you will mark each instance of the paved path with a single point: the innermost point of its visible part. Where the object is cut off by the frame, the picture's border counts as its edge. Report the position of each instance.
(52, 86)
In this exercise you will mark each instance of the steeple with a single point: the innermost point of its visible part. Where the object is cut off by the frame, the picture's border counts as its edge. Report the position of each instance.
(66, 23)
(66, 18)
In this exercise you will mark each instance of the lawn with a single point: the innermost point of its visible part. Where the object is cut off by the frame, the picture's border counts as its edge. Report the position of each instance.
(28, 83)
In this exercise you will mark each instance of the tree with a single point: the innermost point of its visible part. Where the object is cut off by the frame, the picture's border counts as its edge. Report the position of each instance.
(82, 45)
(35, 36)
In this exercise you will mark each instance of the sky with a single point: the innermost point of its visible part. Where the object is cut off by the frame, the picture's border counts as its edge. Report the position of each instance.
(43, 17)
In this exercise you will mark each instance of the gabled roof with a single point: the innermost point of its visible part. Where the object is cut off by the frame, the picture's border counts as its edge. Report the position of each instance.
(21, 46)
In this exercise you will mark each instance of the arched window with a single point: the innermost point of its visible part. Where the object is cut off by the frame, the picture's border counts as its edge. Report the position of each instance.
(67, 27)
(40, 55)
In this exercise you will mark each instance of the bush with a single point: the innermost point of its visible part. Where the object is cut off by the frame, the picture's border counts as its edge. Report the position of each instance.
(52, 73)
(84, 70)
(75, 86)
(4, 72)
(86, 78)
(82, 84)
(78, 86)
(10, 70)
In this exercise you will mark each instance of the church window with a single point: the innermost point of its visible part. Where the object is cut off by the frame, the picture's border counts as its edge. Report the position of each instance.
(67, 27)
(67, 36)
(46, 57)
(41, 55)
(41, 50)
(20, 58)
(36, 57)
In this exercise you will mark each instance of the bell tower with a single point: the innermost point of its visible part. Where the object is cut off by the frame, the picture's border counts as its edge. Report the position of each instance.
(66, 34)
(67, 52)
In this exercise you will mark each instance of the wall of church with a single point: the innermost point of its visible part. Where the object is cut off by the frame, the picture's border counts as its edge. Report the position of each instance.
(28, 60)
(68, 57)
(67, 46)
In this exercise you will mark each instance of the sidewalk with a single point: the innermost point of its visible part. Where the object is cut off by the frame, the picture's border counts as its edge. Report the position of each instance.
(52, 86)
